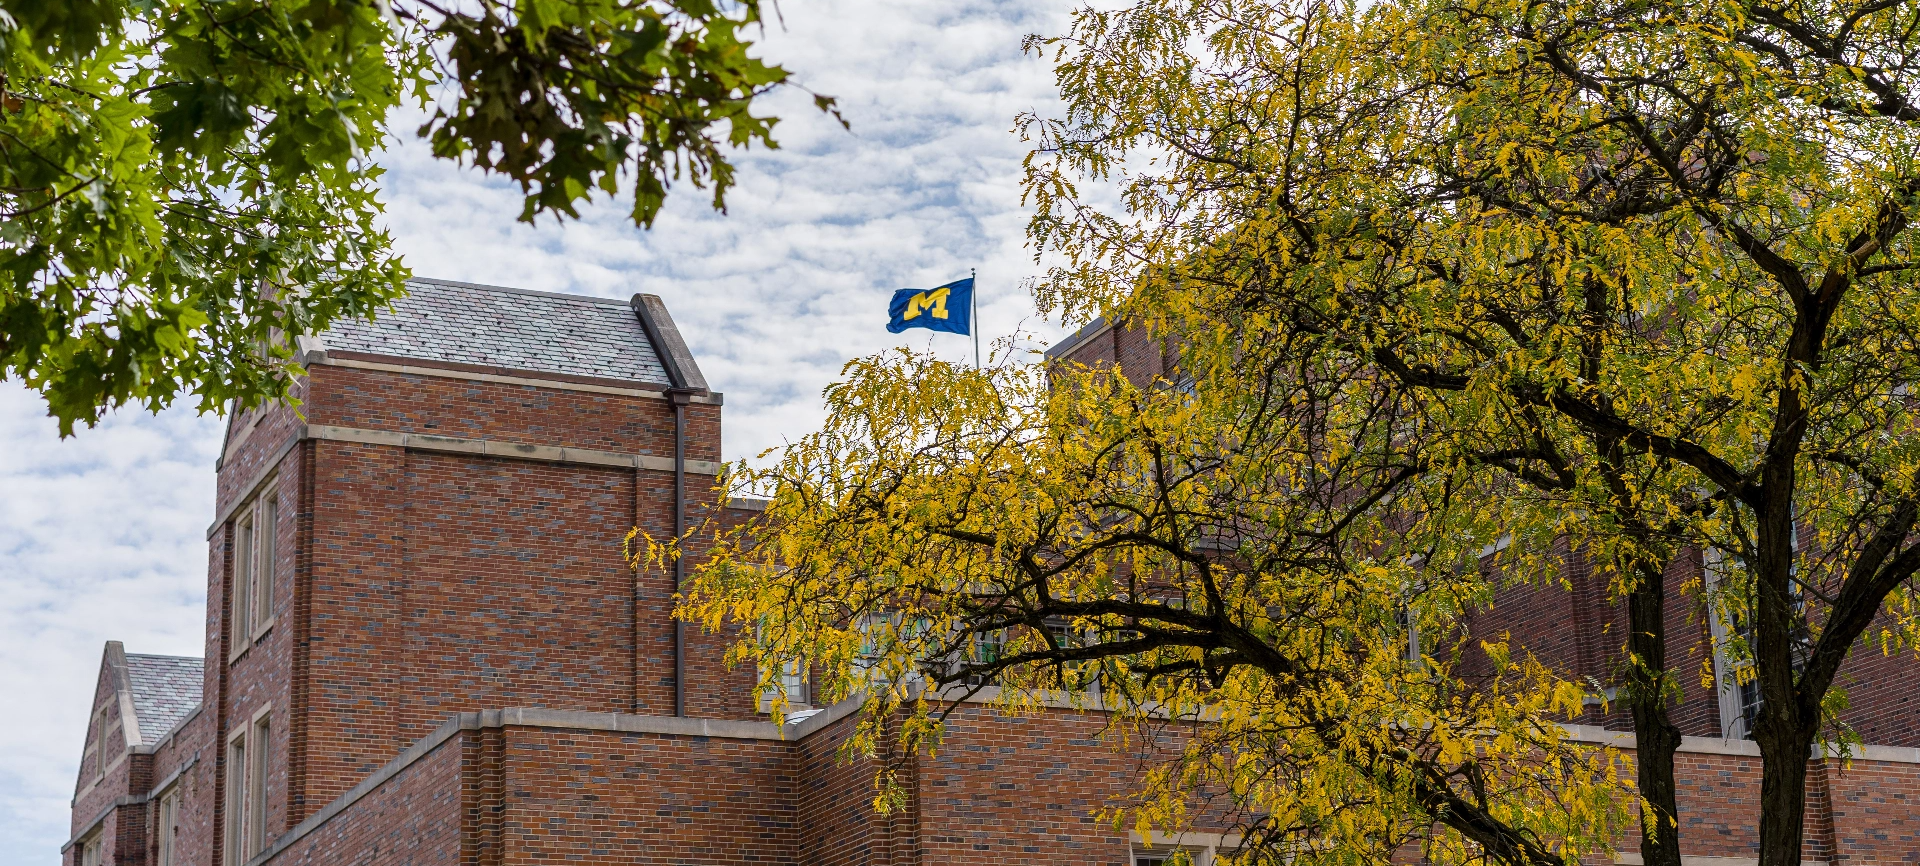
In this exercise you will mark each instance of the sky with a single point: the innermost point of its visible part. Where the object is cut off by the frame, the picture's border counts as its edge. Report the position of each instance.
(102, 535)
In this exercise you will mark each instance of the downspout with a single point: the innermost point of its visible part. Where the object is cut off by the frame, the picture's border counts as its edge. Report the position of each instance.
(684, 382)
(680, 398)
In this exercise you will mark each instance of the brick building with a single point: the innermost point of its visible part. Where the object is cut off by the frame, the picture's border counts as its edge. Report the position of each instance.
(424, 646)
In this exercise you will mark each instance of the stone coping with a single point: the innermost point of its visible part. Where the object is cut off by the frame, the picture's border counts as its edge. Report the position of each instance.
(1746, 748)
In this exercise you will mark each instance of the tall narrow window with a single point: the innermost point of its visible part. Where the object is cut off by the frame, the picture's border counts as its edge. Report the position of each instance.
(235, 837)
(1739, 688)
(260, 589)
(167, 826)
(100, 754)
(91, 850)
(253, 561)
(242, 581)
(257, 786)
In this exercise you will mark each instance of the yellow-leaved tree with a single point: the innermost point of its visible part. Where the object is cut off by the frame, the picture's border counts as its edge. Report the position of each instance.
(1628, 276)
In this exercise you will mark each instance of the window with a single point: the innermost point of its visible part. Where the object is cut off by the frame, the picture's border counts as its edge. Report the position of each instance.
(233, 839)
(1171, 857)
(257, 787)
(793, 682)
(101, 757)
(973, 650)
(246, 806)
(167, 826)
(91, 850)
(253, 567)
(1739, 689)
(986, 650)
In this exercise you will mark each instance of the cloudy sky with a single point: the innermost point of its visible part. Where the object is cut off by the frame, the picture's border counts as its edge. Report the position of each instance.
(101, 535)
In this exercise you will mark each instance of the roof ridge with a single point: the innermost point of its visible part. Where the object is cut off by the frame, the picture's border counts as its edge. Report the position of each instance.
(596, 299)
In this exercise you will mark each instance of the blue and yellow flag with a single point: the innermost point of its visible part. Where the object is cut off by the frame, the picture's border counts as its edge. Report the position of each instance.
(947, 308)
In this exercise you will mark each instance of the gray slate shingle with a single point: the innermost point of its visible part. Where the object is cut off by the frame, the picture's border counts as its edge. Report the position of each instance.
(165, 690)
(513, 328)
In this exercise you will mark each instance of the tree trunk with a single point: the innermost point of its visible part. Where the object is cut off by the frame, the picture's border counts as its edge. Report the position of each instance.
(1655, 737)
(1783, 793)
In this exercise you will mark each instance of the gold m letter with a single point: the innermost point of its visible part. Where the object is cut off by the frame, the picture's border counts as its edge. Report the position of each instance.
(935, 301)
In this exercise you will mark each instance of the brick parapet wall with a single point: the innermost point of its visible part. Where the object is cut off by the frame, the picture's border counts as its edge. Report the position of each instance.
(444, 406)
(524, 786)
(836, 822)
(415, 817)
(1023, 789)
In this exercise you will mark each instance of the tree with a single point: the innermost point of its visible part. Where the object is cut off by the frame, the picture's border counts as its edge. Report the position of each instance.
(182, 182)
(950, 527)
(1636, 277)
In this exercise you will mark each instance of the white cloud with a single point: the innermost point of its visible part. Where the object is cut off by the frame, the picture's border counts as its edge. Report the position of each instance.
(101, 536)
(794, 280)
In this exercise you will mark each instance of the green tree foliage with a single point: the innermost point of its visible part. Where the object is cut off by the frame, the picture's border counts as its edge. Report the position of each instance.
(1632, 277)
(184, 181)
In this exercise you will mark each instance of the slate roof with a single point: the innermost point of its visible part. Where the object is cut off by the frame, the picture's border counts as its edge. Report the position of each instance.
(165, 690)
(515, 329)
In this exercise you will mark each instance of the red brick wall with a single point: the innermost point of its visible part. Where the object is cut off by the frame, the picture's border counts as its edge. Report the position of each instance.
(417, 584)
(88, 788)
(646, 798)
(414, 818)
(836, 822)
(1868, 812)
(1142, 358)
(1883, 690)
(1022, 789)
(1876, 811)
(443, 406)
(519, 795)
(191, 747)
(1690, 650)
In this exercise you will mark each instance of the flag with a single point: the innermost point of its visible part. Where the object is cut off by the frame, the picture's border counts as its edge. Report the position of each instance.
(946, 308)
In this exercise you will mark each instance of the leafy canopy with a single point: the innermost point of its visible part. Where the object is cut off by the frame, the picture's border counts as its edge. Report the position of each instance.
(184, 181)
(1633, 277)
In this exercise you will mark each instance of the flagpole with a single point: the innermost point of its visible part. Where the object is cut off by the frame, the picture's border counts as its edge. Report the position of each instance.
(973, 316)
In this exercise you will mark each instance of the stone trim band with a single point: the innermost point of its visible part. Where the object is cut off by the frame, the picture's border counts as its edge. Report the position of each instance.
(453, 445)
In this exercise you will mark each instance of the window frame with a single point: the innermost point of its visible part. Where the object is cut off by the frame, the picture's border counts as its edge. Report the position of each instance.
(166, 822)
(234, 818)
(1740, 702)
(92, 850)
(99, 744)
(251, 578)
(243, 822)
(796, 681)
(260, 738)
(266, 531)
(1163, 855)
